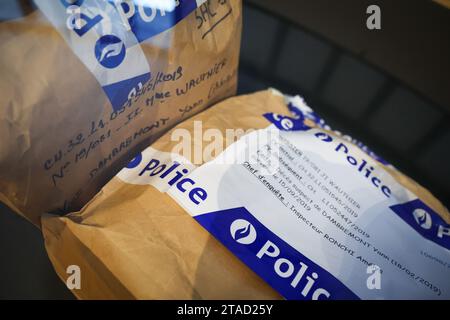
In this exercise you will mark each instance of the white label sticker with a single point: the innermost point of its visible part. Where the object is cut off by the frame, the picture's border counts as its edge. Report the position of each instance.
(328, 222)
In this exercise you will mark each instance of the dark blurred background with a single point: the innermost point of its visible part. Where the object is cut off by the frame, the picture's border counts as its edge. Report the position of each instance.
(389, 88)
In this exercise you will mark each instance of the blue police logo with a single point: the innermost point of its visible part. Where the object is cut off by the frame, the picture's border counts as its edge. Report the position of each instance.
(243, 231)
(134, 162)
(422, 218)
(110, 51)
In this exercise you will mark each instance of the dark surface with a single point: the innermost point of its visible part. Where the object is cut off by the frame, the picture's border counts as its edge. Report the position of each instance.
(25, 271)
(412, 46)
(309, 50)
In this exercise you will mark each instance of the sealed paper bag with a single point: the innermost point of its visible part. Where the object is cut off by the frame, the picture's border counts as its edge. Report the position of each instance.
(254, 199)
(86, 84)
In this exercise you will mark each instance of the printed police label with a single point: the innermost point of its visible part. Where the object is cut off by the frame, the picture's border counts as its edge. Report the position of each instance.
(284, 268)
(105, 35)
(425, 221)
(315, 226)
